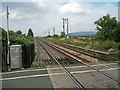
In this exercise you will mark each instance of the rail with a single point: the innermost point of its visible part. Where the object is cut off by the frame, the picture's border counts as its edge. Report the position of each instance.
(89, 52)
(66, 52)
(79, 85)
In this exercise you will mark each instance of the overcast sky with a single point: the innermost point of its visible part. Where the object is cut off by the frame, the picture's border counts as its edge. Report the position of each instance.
(45, 15)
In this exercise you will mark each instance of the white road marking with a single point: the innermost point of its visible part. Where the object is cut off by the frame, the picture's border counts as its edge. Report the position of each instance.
(30, 76)
(84, 66)
(91, 65)
(24, 77)
(93, 70)
(54, 68)
(23, 71)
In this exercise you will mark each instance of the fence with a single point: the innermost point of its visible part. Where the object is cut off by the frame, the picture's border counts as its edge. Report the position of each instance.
(28, 53)
(4, 58)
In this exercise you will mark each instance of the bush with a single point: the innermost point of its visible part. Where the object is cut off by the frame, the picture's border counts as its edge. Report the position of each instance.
(108, 44)
(118, 46)
(95, 45)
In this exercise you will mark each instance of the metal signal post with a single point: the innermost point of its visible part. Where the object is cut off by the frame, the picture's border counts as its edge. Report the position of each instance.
(8, 38)
(65, 21)
(63, 26)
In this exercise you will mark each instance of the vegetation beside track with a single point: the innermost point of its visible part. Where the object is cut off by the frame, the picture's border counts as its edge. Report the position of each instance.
(90, 42)
(17, 37)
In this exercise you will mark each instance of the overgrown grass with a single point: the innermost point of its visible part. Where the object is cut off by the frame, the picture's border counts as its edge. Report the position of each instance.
(90, 42)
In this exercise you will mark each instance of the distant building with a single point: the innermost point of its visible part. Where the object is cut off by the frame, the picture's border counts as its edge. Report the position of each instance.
(62, 34)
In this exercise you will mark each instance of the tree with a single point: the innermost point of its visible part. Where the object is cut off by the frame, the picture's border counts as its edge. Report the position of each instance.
(4, 37)
(55, 36)
(106, 26)
(30, 33)
(19, 32)
(117, 33)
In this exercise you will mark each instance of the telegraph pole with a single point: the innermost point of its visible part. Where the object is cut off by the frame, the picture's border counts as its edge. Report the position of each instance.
(53, 31)
(49, 32)
(8, 42)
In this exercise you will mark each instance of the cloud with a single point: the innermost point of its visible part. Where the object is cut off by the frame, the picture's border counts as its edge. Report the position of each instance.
(72, 8)
(42, 4)
(108, 8)
(21, 14)
(80, 22)
(38, 15)
(15, 15)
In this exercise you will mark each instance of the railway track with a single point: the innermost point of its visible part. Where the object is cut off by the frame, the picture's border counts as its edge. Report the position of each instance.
(78, 84)
(89, 52)
(49, 48)
(98, 70)
(93, 54)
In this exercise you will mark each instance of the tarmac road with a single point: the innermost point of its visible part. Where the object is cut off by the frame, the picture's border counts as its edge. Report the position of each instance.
(27, 79)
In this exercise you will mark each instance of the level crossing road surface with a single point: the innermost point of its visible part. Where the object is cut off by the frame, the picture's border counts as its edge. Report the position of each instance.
(53, 77)
(31, 78)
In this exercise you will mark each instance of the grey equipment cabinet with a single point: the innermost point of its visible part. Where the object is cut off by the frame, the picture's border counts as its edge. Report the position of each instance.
(16, 56)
